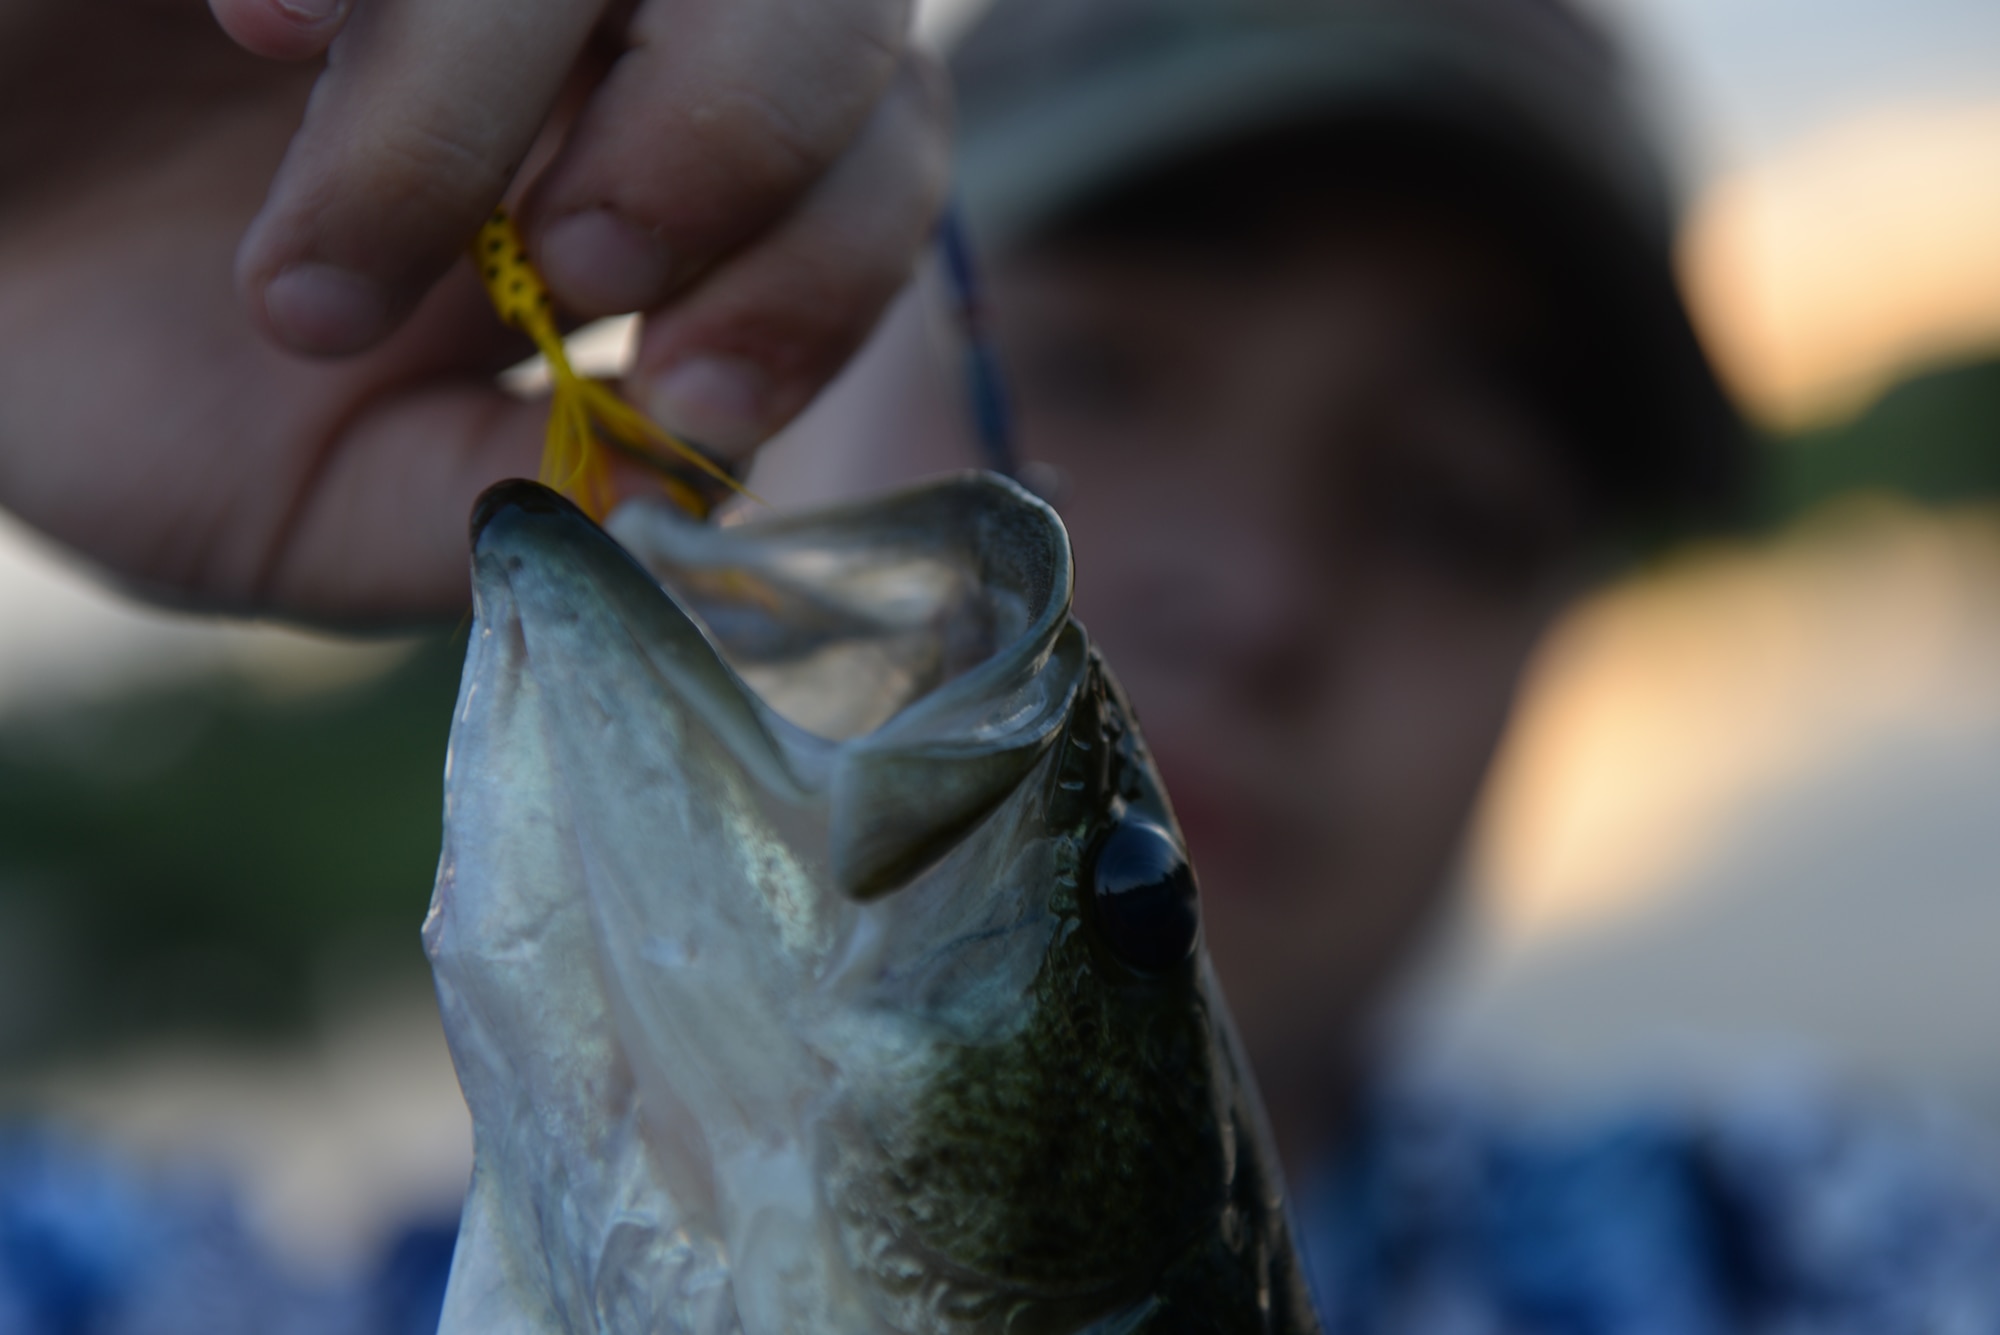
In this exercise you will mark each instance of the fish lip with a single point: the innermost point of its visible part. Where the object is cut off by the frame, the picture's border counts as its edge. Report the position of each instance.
(517, 493)
(515, 519)
(903, 792)
(523, 497)
(1034, 641)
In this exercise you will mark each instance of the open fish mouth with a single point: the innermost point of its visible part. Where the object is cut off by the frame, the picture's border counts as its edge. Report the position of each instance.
(904, 663)
(816, 946)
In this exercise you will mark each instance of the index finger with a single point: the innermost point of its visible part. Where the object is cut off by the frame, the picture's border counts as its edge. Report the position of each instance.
(716, 122)
(422, 116)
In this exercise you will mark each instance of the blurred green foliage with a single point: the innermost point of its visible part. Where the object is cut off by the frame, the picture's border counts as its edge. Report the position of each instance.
(210, 857)
(1934, 438)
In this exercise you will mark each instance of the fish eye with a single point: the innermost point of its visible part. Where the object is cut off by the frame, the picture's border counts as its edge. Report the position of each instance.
(1144, 894)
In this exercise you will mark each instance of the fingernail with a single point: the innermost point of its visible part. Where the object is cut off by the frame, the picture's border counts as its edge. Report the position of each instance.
(602, 264)
(721, 402)
(324, 309)
(311, 11)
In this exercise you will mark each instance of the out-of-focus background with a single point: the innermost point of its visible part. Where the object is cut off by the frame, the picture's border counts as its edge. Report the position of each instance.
(1750, 812)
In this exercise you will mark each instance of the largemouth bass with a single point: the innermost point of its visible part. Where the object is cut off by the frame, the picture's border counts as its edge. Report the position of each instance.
(817, 948)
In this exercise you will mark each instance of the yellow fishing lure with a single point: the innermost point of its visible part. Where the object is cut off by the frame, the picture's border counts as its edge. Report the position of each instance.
(585, 415)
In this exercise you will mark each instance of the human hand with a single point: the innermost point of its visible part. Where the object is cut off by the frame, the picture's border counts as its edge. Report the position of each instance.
(300, 425)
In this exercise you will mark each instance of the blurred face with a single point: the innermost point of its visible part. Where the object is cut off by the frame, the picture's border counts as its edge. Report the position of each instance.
(1317, 527)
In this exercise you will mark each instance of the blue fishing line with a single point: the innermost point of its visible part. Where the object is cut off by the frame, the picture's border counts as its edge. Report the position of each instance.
(985, 389)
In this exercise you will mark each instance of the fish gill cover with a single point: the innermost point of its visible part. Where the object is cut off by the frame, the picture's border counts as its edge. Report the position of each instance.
(817, 948)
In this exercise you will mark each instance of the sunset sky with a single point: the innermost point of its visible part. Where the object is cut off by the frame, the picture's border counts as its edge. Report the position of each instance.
(1844, 165)
(1750, 79)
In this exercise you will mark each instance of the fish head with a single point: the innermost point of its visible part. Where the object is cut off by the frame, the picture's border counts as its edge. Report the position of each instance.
(817, 946)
